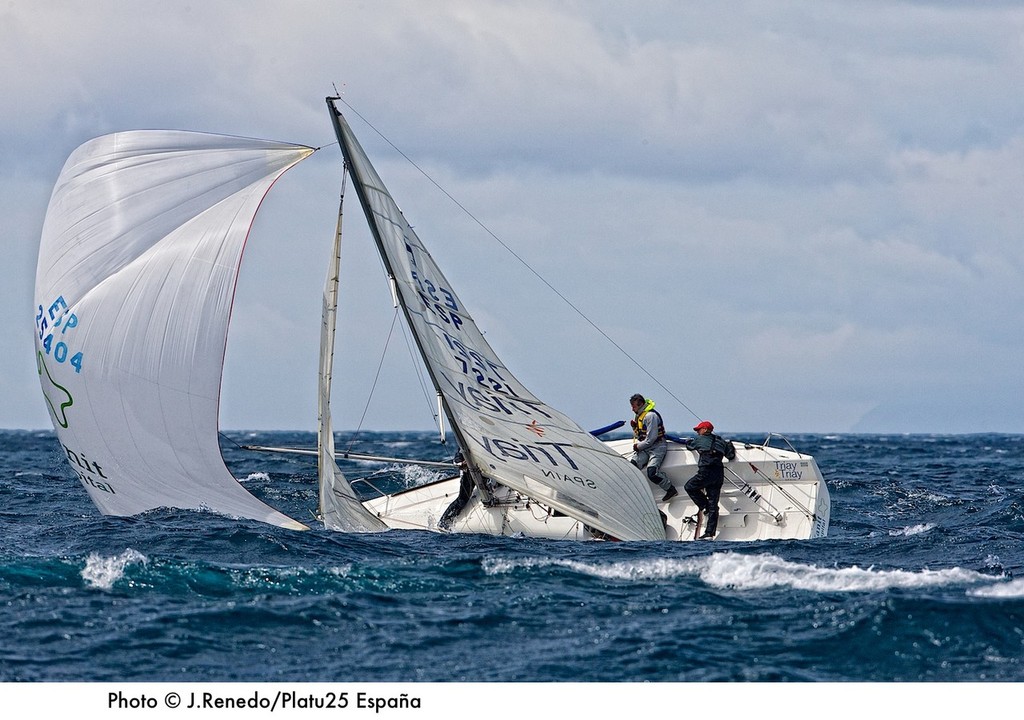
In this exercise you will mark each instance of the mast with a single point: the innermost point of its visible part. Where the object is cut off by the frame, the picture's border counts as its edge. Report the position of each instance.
(503, 429)
(340, 508)
(385, 258)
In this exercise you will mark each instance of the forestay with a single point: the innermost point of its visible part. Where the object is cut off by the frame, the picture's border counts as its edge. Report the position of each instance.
(509, 434)
(138, 260)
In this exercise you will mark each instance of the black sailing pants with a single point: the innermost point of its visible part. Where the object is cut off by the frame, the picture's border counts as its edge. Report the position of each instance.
(466, 486)
(704, 489)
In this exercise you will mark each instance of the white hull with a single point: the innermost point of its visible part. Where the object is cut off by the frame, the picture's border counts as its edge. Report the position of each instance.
(769, 494)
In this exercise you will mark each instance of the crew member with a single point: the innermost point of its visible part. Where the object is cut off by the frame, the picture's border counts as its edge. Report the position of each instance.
(705, 487)
(466, 485)
(649, 444)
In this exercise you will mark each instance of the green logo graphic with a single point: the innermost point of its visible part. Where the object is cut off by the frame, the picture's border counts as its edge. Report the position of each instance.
(52, 389)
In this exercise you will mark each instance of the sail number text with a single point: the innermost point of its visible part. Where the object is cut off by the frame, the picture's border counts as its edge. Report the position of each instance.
(476, 367)
(48, 322)
(438, 300)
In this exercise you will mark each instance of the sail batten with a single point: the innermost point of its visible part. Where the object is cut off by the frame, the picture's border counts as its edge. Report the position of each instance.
(508, 434)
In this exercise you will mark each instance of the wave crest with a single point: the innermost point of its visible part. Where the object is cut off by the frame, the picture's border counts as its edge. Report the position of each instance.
(752, 572)
(102, 572)
(1011, 589)
(913, 530)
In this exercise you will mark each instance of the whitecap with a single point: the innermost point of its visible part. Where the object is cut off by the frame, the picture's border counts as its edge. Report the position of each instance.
(500, 566)
(658, 569)
(1011, 589)
(913, 530)
(260, 476)
(102, 572)
(415, 475)
(751, 572)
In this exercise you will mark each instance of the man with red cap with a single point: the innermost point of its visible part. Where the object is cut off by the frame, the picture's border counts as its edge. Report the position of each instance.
(705, 487)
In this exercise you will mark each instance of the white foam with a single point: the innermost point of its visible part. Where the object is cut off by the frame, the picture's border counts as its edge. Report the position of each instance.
(913, 530)
(102, 572)
(749, 572)
(261, 476)
(660, 569)
(1011, 589)
(753, 572)
(415, 475)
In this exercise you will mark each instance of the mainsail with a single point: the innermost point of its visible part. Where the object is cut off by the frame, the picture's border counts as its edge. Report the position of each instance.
(137, 266)
(508, 434)
(340, 508)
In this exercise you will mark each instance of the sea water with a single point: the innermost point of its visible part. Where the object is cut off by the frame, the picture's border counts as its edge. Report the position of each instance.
(921, 578)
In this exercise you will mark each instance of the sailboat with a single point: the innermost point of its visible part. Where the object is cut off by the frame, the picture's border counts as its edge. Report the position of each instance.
(139, 256)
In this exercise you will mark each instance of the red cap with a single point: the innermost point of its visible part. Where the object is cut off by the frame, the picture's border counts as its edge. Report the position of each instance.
(704, 424)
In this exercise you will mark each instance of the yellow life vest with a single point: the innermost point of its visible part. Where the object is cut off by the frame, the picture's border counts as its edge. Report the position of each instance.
(639, 430)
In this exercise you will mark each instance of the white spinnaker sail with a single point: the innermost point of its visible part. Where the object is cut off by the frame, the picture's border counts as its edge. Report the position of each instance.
(340, 508)
(137, 266)
(509, 434)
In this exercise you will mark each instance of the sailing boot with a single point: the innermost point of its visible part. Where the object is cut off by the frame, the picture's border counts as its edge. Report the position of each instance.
(445, 524)
(712, 526)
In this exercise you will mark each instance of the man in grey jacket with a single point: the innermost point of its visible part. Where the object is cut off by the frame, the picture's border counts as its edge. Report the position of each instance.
(649, 443)
(705, 487)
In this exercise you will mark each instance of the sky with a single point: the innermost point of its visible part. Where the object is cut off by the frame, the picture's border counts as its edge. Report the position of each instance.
(780, 216)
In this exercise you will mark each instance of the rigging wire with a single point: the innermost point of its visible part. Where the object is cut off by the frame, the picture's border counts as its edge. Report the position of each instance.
(523, 262)
(373, 385)
(418, 366)
(222, 436)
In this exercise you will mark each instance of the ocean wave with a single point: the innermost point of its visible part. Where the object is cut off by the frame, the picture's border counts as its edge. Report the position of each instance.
(415, 475)
(766, 571)
(1011, 589)
(752, 572)
(913, 529)
(659, 569)
(288, 580)
(102, 572)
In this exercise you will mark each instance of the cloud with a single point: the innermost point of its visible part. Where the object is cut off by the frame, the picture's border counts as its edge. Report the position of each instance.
(790, 214)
